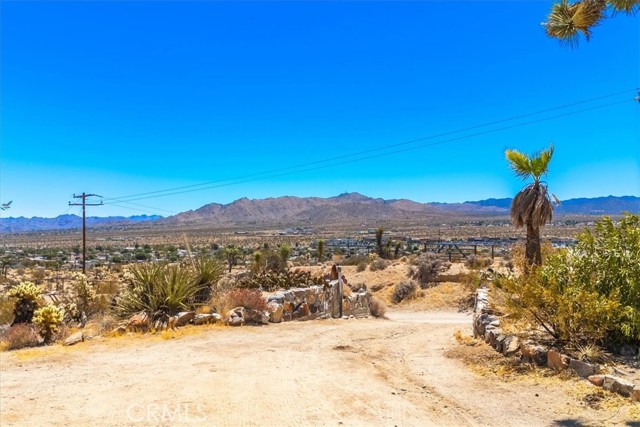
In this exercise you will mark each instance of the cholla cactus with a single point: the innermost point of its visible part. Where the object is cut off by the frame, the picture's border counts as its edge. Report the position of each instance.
(47, 320)
(27, 295)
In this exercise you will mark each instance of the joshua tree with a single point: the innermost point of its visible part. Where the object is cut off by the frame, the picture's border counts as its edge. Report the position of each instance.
(379, 232)
(532, 206)
(567, 20)
(320, 250)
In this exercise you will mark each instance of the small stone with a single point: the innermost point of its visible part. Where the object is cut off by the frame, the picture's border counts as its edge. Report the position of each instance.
(510, 346)
(74, 339)
(596, 380)
(185, 317)
(618, 385)
(635, 394)
(583, 369)
(557, 361)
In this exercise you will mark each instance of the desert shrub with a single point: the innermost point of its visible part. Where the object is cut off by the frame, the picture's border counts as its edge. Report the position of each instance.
(207, 272)
(403, 290)
(379, 264)
(47, 319)
(355, 260)
(589, 294)
(361, 267)
(427, 267)
(378, 308)
(475, 262)
(158, 287)
(6, 310)
(84, 295)
(20, 336)
(247, 298)
(273, 280)
(26, 296)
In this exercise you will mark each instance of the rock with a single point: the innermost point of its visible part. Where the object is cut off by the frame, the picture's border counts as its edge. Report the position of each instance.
(185, 317)
(234, 317)
(139, 322)
(275, 312)
(265, 319)
(499, 342)
(202, 319)
(277, 297)
(618, 385)
(597, 380)
(377, 287)
(583, 369)
(635, 394)
(510, 346)
(533, 354)
(74, 339)
(216, 317)
(557, 361)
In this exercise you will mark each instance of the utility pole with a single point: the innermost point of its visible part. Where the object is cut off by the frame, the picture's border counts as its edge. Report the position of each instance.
(84, 205)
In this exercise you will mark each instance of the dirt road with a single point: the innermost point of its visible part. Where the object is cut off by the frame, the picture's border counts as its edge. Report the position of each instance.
(365, 372)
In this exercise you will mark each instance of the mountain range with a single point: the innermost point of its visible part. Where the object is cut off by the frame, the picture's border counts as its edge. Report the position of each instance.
(295, 211)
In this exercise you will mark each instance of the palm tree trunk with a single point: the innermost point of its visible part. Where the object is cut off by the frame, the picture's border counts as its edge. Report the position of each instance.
(532, 249)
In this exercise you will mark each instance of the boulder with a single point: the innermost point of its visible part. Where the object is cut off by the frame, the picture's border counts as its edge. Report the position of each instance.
(635, 394)
(265, 319)
(596, 380)
(557, 361)
(74, 339)
(533, 354)
(618, 385)
(510, 346)
(139, 322)
(185, 317)
(583, 369)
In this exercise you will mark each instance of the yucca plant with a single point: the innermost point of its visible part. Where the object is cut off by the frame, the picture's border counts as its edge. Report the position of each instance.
(531, 207)
(567, 21)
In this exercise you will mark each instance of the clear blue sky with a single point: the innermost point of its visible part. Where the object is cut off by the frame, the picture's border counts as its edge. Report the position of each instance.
(120, 98)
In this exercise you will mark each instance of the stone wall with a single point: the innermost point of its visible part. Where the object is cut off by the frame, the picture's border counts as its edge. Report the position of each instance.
(316, 302)
(486, 325)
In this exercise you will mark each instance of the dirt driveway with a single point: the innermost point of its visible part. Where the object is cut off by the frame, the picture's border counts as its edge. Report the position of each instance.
(366, 372)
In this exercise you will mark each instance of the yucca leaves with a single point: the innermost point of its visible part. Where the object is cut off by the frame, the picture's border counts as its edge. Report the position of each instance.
(567, 21)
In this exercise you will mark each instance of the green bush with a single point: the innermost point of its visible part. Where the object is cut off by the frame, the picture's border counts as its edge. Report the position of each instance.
(587, 294)
(47, 319)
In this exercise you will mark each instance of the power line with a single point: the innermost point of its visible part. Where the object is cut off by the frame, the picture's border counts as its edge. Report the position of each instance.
(300, 168)
(208, 185)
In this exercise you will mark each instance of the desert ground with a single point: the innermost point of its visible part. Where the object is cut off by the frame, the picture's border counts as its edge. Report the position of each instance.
(351, 372)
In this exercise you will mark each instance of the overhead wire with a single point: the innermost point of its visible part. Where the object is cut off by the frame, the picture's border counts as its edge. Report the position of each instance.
(302, 167)
(210, 184)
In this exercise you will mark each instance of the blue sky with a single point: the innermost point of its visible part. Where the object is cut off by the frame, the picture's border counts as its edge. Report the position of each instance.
(122, 98)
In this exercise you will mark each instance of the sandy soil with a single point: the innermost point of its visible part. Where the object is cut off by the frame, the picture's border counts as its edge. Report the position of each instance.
(366, 372)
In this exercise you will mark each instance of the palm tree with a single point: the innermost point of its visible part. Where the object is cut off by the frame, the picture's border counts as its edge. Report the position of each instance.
(567, 20)
(532, 206)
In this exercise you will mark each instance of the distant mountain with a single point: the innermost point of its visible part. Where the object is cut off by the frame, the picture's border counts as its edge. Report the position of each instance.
(345, 208)
(610, 205)
(67, 222)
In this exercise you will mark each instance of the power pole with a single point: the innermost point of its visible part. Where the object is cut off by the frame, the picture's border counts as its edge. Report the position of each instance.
(84, 205)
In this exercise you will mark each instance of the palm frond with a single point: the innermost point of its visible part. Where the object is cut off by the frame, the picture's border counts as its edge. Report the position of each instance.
(519, 163)
(540, 162)
(532, 205)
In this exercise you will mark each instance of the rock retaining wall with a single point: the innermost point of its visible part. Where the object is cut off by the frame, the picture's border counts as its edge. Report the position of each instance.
(486, 325)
